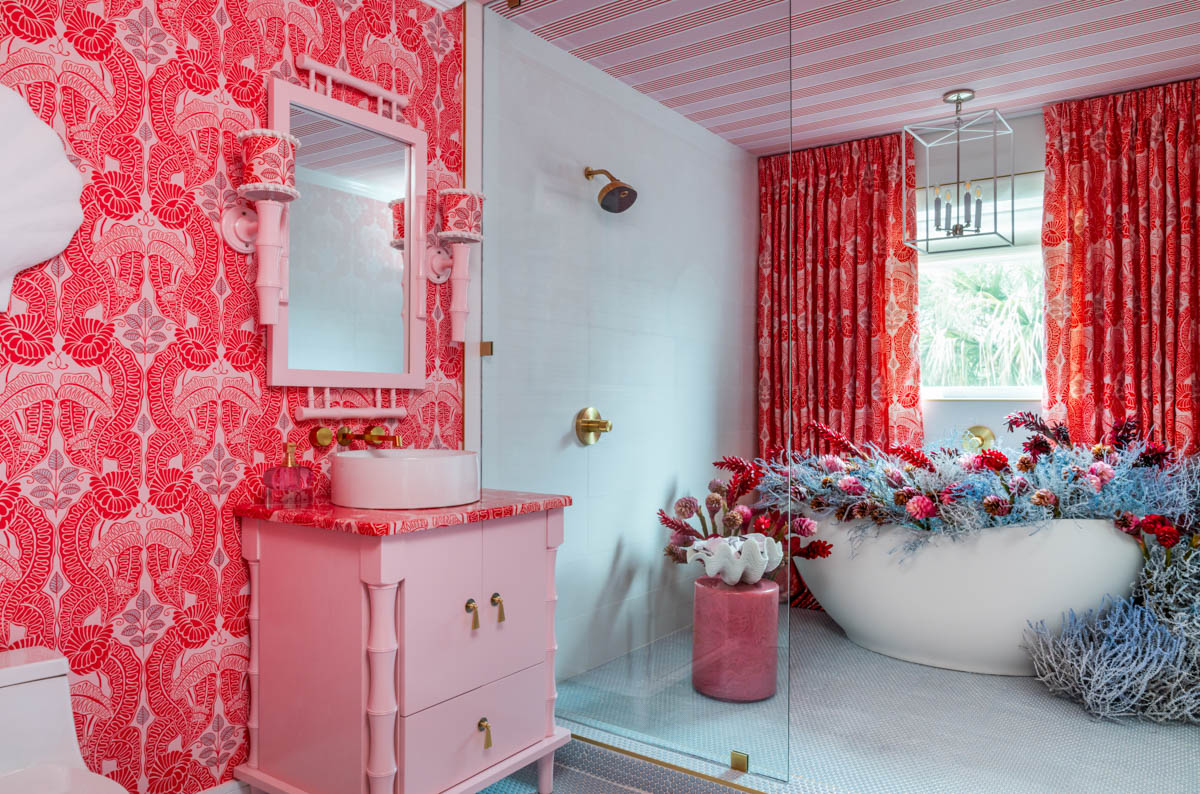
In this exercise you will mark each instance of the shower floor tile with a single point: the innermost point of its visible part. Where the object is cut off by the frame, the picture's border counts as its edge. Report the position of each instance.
(863, 723)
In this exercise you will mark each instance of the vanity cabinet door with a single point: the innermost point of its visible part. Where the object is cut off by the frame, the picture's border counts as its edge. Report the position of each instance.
(442, 655)
(514, 567)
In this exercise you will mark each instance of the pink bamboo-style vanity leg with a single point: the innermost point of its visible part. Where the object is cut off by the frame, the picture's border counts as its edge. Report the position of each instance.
(545, 770)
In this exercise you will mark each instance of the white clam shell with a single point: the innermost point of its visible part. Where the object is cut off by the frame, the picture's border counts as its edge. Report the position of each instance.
(39, 200)
(741, 558)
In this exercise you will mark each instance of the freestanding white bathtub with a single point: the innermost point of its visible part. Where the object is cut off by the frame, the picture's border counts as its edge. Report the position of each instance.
(964, 604)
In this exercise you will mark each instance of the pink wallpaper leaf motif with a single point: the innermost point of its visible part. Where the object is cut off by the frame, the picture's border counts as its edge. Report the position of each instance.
(131, 365)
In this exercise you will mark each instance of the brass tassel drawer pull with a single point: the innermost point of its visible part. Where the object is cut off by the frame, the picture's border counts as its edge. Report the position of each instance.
(486, 727)
(473, 608)
(497, 601)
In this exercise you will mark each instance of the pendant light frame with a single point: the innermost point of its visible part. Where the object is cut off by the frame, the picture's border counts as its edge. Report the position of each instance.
(974, 201)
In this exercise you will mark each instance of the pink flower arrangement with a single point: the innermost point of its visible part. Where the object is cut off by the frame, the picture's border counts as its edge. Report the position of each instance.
(686, 507)
(852, 486)
(1044, 497)
(994, 460)
(997, 505)
(921, 507)
(1102, 471)
(832, 464)
(950, 493)
(971, 462)
(804, 527)
(720, 515)
(947, 491)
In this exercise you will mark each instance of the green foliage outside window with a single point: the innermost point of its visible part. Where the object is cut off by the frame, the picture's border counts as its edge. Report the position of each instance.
(981, 319)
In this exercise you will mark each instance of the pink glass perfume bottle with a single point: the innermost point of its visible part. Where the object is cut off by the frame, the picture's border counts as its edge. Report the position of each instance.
(288, 486)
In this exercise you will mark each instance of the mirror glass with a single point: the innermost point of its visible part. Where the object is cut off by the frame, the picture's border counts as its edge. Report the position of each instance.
(346, 280)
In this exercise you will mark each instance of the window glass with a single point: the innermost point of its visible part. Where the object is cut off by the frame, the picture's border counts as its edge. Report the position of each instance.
(981, 318)
(981, 312)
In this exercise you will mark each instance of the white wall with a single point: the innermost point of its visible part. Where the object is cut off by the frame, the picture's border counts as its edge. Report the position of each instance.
(647, 315)
(946, 420)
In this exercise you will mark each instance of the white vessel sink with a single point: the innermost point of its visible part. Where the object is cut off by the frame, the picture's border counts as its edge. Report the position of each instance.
(404, 479)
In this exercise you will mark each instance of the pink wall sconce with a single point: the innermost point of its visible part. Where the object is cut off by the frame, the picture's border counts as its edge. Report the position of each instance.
(462, 227)
(269, 181)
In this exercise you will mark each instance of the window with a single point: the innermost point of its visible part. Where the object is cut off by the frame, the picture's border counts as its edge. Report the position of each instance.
(980, 312)
(981, 323)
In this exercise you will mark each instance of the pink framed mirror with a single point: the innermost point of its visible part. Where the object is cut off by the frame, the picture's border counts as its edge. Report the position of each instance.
(351, 310)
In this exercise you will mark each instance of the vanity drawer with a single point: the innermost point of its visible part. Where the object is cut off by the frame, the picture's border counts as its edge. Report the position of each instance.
(443, 745)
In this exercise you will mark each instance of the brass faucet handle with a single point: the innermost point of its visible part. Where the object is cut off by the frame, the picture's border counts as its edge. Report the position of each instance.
(589, 426)
(320, 436)
(485, 728)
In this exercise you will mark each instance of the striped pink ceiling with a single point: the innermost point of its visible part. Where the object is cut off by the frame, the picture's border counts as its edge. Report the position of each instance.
(865, 67)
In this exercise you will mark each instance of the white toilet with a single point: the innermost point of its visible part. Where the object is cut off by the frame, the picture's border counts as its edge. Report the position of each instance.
(38, 751)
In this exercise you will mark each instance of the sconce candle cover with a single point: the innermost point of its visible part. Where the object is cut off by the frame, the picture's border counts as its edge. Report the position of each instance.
(270, 165)
(462, 216)
(269, 180)
(397, 206)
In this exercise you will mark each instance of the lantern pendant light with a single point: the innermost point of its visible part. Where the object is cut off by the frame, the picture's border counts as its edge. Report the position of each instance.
(964, 195)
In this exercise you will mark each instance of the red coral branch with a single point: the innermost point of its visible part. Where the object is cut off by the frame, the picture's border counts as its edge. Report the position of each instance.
(1028, 420)
(912, 456)
(746, 476)
(838, 441)
(734, 464)
(676, 525)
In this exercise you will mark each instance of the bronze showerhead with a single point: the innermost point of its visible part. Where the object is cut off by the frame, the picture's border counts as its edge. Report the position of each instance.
(616, 196)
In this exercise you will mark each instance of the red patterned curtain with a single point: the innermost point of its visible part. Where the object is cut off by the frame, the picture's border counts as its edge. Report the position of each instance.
(837, 297)
(1121, 257)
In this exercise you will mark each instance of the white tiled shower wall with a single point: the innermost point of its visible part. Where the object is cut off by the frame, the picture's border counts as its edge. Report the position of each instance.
(647, 315)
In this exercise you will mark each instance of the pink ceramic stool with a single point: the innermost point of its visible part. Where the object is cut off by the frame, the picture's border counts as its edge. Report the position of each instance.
(735, 632)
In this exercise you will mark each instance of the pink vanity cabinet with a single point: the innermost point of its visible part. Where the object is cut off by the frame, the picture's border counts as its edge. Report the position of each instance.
(401, 651)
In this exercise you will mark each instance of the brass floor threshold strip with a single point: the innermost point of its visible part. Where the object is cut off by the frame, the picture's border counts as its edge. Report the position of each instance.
(664, 764)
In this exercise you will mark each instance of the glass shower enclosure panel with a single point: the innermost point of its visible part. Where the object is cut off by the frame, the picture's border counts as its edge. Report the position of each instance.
(624, 367)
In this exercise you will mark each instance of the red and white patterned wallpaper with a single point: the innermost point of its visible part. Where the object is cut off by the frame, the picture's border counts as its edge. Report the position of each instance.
(133, 400)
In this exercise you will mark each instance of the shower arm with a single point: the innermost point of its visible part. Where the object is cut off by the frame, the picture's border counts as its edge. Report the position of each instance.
(591, 172)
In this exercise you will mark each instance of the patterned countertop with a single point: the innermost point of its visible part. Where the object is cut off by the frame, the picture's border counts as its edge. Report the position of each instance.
(378, 523)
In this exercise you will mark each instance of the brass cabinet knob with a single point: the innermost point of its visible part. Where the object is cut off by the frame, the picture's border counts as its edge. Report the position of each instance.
(485, 728)
(473, 608)
(497, 601)
(589, 426)
(320, 436)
